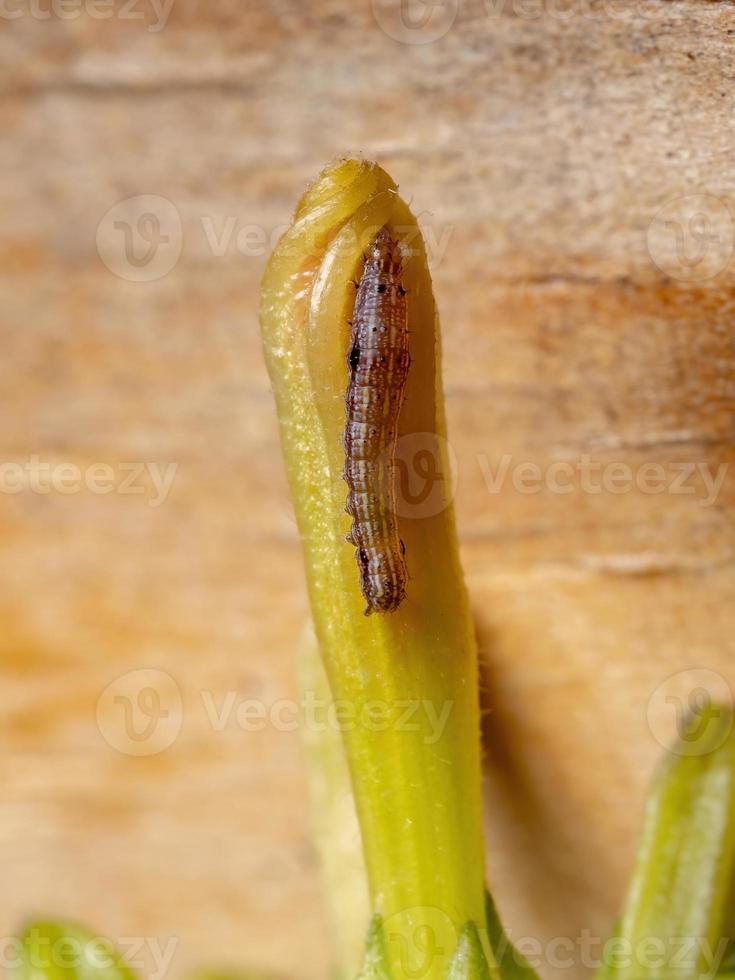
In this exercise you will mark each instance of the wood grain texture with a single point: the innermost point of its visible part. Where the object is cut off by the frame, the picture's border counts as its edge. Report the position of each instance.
(538, 151)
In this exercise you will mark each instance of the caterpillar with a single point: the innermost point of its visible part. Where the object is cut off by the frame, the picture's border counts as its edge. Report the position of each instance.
(378, 362)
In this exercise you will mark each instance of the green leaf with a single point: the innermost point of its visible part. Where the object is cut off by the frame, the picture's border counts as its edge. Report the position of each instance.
(375, 964)
(336, 830)
(673, 921)
(63, 951)
(469, 961)
(511, 964)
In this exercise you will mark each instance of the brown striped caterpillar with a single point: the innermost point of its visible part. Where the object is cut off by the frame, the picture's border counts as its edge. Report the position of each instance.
(378, 368)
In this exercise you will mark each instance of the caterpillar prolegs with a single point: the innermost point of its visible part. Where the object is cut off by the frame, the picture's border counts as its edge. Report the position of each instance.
(379, 361)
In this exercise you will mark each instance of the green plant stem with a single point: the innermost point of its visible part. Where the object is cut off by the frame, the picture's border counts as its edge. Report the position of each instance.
(405, 684)
(55, 950)
(336, 830)
(680, 892)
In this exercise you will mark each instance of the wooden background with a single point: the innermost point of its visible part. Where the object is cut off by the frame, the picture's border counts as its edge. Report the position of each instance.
(554, 151)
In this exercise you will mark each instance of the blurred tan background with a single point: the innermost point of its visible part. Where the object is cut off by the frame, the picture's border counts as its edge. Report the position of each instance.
(571, 164)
